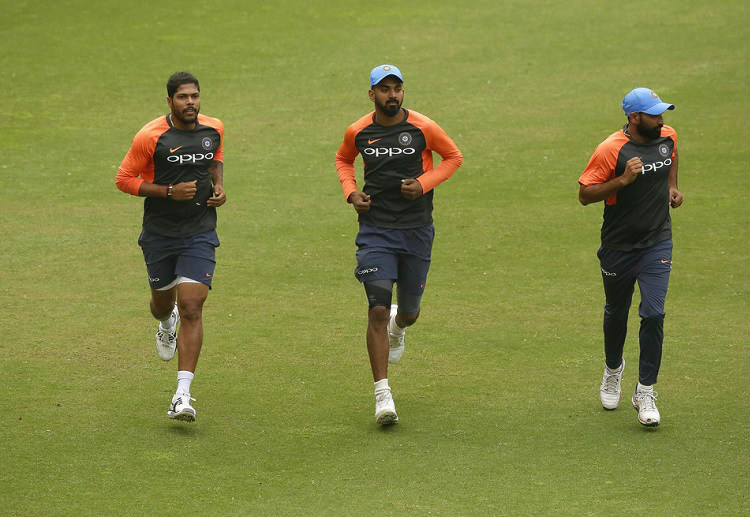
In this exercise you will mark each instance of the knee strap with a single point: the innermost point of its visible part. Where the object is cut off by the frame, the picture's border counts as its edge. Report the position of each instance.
(379, 293)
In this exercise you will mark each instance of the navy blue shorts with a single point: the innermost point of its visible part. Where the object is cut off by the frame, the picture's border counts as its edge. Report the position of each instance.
(167, 258)
(399, 254)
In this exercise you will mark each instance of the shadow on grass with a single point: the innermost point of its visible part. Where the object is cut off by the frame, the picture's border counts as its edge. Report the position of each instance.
(378, 429)
(183, 429)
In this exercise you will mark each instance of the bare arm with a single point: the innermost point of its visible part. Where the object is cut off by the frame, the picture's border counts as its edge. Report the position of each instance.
(593, 193)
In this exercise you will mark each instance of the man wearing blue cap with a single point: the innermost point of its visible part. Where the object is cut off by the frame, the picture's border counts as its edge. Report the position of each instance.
(395, 216)
(634, 171)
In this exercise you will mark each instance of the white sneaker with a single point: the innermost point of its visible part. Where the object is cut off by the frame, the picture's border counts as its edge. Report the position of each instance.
(166, 340)
(609, 391)
(180, 408)
(644, 401)
(385, 409)
(396, 341)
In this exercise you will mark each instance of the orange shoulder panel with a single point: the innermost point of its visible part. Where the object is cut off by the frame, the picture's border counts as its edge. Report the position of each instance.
(218, 126)
(347, 153)
(601, 167)
(670, 132)
(437, 140)
(138, 164)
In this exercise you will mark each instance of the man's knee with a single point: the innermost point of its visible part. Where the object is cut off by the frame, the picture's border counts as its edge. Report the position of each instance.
(191, 309)
(616, 312)
(409, 319)
(161, 304)
(652, 319)
(378, 315)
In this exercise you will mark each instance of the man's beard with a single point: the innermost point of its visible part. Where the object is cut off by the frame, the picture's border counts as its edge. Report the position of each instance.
(649, 133)
(183, 118)
(391, 109)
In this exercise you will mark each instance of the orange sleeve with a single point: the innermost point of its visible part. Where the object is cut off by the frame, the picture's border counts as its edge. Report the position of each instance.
(138, 165)
(218, 125)
(670, 132)
(346, 155)
(601, 167)
(437, 140)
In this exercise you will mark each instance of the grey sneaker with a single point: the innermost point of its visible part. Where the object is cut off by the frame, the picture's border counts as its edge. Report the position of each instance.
(180, 407)
(385, 409)
(166, 339)
(644, 401)
(609, 391)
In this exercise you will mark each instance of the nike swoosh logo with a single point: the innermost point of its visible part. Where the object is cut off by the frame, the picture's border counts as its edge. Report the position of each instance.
(665, 261)
(370, 142)
(175, 149)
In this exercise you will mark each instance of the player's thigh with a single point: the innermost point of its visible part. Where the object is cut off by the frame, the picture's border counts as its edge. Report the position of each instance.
(414, 261)
(409, 304)
(163, 299)
(191, 296)
(618, 275)
(160, 255)
(379, 293)
(197, 260)
(412, 277)
(376, 264)
(653, 278)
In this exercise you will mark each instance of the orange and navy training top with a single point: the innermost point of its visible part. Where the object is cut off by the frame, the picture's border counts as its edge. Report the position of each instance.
(637, 216)
(391, 154)
(165, 155)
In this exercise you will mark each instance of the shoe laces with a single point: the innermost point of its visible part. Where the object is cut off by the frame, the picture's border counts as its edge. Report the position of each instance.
(611, 382)
(646, 400)
(185, 396)
(170, 333)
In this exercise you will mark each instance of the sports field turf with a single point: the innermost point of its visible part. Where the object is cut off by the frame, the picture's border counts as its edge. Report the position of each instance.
(498, 389)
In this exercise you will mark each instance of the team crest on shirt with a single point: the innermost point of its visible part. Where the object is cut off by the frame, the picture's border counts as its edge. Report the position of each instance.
(404, 139)
(664, 150)
(207, 143)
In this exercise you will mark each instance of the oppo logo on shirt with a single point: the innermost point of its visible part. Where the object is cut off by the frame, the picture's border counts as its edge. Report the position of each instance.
(189, 158)
(388, 151)
(653, 167)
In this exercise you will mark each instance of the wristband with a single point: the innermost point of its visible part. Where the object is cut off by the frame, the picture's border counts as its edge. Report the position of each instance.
(169, 191)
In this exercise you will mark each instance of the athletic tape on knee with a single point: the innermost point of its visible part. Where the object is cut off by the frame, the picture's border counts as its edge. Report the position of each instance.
(408, 303)
(379, 293)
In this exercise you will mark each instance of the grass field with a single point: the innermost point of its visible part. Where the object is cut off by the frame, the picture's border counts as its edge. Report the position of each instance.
(497, 391)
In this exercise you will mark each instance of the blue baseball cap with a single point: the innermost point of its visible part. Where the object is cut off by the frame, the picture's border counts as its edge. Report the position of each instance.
(381, 72)
(644, 100)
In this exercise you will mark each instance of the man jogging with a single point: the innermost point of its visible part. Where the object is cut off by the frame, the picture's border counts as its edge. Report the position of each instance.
(176, 163)
(634, 171)
(395, 216)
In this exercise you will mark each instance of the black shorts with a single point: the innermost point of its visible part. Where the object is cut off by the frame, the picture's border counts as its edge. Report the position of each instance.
(167, 258)
(399, 254)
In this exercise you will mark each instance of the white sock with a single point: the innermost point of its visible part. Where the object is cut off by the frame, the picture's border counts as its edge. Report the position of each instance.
(641, 387)
(393, 327)
(169, 322)
(184, 378)
(616, 370)
(381, 385)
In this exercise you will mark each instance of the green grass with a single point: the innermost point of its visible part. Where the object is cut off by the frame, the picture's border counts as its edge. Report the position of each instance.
(497, 392)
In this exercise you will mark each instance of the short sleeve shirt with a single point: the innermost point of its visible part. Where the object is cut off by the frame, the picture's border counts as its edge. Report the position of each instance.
(637, 216)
